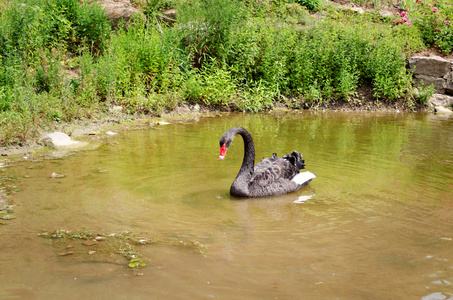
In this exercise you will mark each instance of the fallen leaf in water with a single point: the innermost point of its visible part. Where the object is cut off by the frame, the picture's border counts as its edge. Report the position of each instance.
(66, 253)
(89, 243)
(55, 175)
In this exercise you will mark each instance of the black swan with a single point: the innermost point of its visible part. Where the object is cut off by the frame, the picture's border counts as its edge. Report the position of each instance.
(271, 176)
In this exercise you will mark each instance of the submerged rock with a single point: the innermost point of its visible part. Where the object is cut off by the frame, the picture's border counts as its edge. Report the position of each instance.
(89, 243)
(443, 110)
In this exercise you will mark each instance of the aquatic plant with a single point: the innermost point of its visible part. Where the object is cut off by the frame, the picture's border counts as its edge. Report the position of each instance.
(6, 188)
(124, 243)
(136, 262)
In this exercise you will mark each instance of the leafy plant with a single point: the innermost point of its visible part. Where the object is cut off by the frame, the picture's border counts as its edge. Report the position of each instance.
(211, 85)
(205, 25)
(256, 97)
(59, 62)
(312, 5)
(425, 93)
(34, 24)
(433, 18)
(293, 13)
(155, 16)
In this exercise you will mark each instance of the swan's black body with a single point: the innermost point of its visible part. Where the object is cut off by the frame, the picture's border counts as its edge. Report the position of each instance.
(271, 176)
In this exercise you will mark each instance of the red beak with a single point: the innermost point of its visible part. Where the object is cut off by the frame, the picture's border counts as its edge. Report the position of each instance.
(223, 151)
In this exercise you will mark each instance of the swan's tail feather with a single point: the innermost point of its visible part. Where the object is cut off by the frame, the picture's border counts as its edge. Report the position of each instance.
(303, 178)
(296, 159)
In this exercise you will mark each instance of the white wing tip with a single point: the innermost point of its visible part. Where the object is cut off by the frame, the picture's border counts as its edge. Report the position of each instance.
(302, 178)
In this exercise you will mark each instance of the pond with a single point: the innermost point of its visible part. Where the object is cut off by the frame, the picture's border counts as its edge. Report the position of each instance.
(376, 223)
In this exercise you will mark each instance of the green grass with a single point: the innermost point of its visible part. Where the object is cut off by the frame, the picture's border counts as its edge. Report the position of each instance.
(60, 61)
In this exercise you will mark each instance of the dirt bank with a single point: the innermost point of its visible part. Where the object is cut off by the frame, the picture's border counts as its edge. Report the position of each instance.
(93, 130)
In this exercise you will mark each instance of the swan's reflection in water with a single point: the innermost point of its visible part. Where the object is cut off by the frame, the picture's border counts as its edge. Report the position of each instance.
(302, 199)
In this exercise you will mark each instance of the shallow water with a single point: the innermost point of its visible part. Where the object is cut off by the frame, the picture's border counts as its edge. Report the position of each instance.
(376, 223)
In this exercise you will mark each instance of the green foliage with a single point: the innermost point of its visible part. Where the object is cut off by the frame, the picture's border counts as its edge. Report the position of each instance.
(140, 63)
(211, 85)
(155, 5)
(293, 13)
(92, 29)
(334, 59)
(206, 24)
(433, 18)
(256, 97)
(30, 25)
(35, 39)
(236, 55)
(152, 11)
(409, 37)
(325, 61)
(425, 93)
(312, 5)
(387, 72)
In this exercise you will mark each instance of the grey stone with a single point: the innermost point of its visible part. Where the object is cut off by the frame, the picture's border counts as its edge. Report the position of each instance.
(439, 83)
(432, 66)
(441, 100)
(449, 83)
(117, 10)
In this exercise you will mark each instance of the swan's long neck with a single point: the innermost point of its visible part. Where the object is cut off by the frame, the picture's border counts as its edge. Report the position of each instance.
(248, 162)
(240, 184)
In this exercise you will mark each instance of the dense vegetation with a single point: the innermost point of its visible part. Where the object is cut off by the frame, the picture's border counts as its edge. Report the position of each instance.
(60, 61)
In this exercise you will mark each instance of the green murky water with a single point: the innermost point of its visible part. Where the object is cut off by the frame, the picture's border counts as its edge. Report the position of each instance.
(377, 222)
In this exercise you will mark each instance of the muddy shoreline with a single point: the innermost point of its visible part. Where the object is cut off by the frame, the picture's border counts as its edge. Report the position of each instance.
(93, 130)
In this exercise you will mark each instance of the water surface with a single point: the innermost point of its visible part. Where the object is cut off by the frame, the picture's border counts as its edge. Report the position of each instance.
(376, 223)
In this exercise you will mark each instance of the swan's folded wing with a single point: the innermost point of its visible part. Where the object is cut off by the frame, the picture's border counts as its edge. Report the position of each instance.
(272, 171)
(265, 177)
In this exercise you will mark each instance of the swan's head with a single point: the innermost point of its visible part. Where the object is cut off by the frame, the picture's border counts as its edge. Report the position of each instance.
(225, 142)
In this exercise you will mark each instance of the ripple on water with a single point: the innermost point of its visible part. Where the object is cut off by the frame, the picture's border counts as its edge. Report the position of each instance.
(375, 223)
(438, 296)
